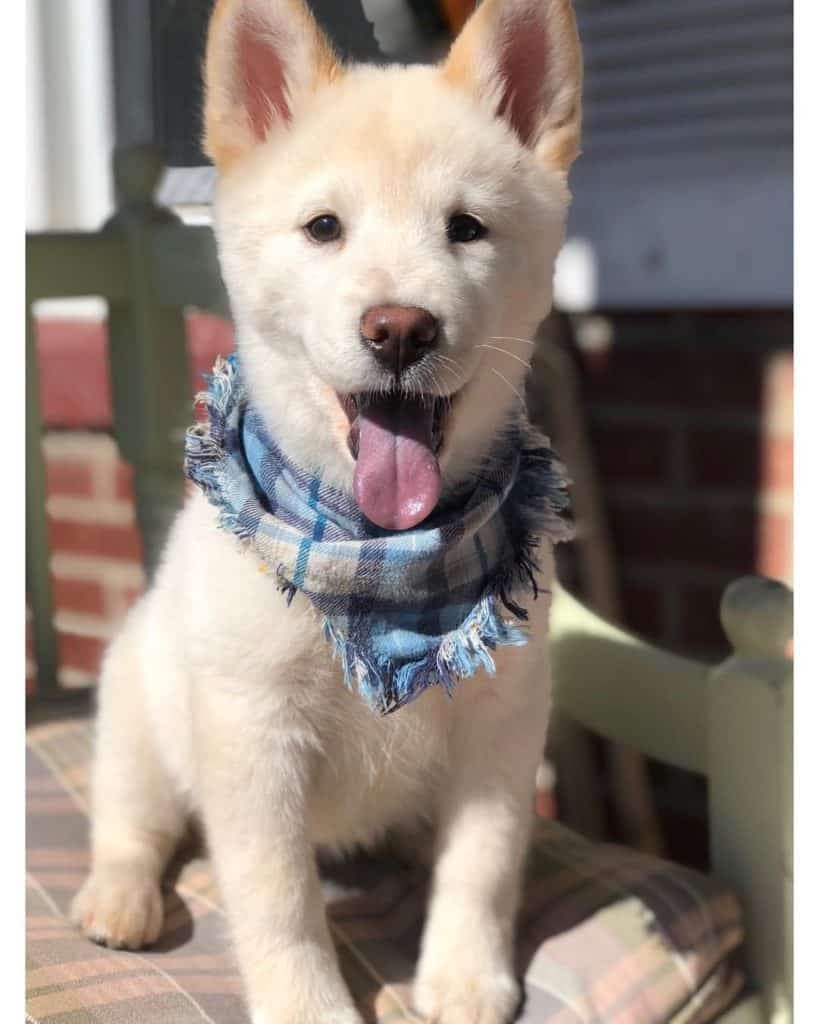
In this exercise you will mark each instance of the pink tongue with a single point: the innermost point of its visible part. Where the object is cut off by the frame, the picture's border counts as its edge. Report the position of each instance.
(397, 480)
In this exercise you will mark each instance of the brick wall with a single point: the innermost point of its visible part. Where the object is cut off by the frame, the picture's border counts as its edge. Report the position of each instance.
(95, 545)
(691, 423)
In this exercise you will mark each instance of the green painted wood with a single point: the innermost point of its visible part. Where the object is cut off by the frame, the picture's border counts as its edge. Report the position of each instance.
(750, 754)
(58, 265)
(38, 563)
(747, 1011)
(149, 267)
(732, 722)
(148, 355)
(71, 264)
(186, 268)
(627, 690)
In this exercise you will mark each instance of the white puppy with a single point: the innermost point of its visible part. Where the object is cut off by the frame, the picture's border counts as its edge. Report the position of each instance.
(436, 197)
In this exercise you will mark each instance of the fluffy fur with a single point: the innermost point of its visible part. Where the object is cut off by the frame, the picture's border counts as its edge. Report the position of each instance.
(217, 699)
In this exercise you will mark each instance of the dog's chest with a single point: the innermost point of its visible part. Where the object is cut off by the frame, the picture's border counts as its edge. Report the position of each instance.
(372, 771)
(367, 771)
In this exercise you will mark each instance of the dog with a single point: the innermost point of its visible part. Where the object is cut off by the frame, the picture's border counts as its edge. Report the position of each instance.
(381, 230)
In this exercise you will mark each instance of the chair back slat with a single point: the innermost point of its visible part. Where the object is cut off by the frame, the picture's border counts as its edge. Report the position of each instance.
(38, 570)
(148, 267)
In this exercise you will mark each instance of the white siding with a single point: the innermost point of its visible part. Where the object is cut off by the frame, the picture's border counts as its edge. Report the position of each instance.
(684, 189)
(69, 108)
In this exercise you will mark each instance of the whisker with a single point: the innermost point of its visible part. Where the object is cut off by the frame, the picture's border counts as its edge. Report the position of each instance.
(509, 384)
(439, 356)
(459, 383)
(505, 337)
(511, 355)
(427, 381)
(442, 395)
(454, 369)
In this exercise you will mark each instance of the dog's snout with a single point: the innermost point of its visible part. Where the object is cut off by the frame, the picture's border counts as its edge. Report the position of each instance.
(398, 335)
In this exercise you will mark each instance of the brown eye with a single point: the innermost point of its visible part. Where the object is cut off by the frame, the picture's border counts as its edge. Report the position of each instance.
(462, 227)
(326, 228)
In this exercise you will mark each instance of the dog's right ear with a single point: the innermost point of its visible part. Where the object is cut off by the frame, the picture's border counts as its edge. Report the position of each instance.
(263, 57)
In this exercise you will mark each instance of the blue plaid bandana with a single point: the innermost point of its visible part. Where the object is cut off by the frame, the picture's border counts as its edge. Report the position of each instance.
(403, 610)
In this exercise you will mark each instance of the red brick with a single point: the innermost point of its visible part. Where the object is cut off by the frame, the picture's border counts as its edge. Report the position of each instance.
(779, 381)
(725, 458)
(71, 478)
(643, 610)
(84, 596)
(677, 375)
(120, 542)
(775, 546)
(777, 465)
(208, 337)
(74, 385)
(130, 595)
(119, 600)
(124, 485)
(691, 534)
(74, 377)
(83, 653)
(631, 454)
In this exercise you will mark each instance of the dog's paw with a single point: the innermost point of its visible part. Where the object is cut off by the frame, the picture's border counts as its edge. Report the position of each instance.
(119, 906)
(464, 997)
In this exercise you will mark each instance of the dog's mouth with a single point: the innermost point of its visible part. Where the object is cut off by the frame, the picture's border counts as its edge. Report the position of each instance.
(395, 440)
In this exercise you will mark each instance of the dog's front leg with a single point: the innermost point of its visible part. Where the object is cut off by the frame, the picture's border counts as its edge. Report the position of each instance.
(466, 971)
(255, 763)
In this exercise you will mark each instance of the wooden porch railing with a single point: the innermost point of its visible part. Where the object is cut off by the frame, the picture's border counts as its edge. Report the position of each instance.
(148, 266)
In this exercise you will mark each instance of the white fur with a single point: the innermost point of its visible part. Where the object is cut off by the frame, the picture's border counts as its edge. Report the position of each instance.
(219, 700)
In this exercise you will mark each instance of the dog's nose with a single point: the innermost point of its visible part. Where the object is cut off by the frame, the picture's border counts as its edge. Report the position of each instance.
(398, 335)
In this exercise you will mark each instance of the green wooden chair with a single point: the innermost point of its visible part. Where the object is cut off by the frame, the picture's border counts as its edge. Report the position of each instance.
(731, 722)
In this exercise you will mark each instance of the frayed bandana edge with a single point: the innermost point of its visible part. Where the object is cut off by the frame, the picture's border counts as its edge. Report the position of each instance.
(402, 611)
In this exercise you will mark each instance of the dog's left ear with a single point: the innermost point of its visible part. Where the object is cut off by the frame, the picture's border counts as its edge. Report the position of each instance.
(522, 59)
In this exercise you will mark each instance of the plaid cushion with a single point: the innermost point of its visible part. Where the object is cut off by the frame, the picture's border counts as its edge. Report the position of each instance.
(605, 934)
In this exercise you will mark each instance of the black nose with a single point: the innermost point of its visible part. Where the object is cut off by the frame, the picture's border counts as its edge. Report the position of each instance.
(398, 335)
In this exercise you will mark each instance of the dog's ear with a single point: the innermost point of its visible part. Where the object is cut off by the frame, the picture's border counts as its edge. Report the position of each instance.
(263, 57)
(522, 59)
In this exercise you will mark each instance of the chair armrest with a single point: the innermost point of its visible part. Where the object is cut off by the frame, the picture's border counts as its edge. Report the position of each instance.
(626, 689)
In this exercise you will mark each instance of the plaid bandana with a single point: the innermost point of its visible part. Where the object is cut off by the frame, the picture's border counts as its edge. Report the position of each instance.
(402, 610)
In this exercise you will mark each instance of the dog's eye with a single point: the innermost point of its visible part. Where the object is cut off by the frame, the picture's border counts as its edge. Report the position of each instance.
(326, 228)
(462, 227)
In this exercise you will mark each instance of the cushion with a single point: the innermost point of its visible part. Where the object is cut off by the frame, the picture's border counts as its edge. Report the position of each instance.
(605, 934)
